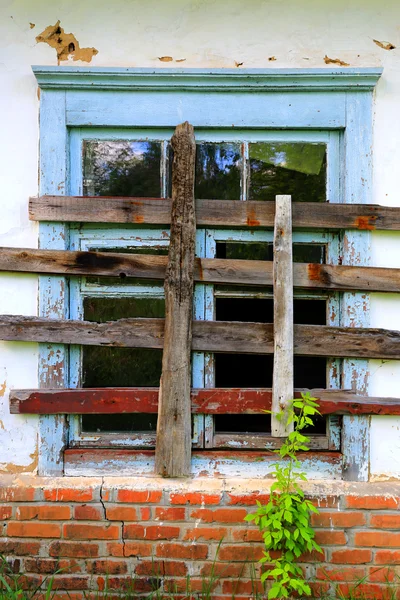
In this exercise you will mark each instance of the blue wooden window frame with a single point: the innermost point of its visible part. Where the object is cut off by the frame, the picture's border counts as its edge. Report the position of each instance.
(303, 100)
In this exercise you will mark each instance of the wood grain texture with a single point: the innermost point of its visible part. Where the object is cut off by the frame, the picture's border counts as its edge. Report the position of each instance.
(212, 213)
(173, 445)
(213, 401)
(206, 270)
(208, 336)
(282, 386)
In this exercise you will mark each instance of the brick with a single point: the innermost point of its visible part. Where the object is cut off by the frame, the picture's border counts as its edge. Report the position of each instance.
(121, 513)
(68, 495)
(175, 585)
(191, 551)
(170, 514)
(129, 549)
(67, 582)
(130, 585)
(145, 513)
(246, 535)
(365, 590)
(154, 568)
(19, 548)
(341, 574)
(46, 512)
(330, 538)
(206, 533)
(25, 582)
(138, 497)
(382, 574)
(313, 556)
(325, 501)
(234, 588)
(385, 521)
(108, 567)
(87, 512)
(377, 539)
(372, 502)
(33, 530)
(338, 519)
(222, 571)
(74, 550)
(17, 494)
(48, 566)
(240, 553)
(94, 531)
(195, 498)
(319, 589)
(248, 499)
(151, 532)
(387, 557)
(351, 556)
(220, 515)
(5, 513)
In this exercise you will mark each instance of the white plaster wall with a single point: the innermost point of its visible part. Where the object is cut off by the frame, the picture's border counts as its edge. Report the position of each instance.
(207, 33)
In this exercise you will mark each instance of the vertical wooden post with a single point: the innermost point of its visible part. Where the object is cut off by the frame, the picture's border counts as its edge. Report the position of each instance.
(282, 389)
(173, 446)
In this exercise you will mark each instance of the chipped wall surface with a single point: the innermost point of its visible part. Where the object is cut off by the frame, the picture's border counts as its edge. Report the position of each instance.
(186, 33)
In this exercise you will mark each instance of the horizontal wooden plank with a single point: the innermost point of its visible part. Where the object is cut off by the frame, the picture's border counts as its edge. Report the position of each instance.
(212, 213)
(215, 463)
(204, 401)
(208, 336)
(207, 270)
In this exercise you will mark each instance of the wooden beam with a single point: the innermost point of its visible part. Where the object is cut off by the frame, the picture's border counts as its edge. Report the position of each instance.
(282, 388)
(214, 401)
(208, 336)
(206, 270)
(174, 438)
(212, 213)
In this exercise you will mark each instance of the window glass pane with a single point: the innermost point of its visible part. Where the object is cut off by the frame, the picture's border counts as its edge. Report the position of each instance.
(297, 169)
(121, 367)
(122, 279)
(218, 171)
(122, 168)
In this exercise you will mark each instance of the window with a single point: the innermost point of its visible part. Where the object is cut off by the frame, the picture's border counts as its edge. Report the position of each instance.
(253, 143)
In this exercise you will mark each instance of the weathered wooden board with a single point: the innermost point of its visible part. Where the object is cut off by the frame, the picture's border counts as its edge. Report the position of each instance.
(206, 270)
(213, 401)
(283, 370)
(173, 446)
(214, 463)
(212, 213)
(208, 336)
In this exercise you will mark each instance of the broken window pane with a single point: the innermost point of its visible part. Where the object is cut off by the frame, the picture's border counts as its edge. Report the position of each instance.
(296, 169)
(218, 171)
(121, 367)
(122, 168)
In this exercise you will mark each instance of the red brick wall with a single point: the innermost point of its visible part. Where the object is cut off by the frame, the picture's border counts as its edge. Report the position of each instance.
(120, 531)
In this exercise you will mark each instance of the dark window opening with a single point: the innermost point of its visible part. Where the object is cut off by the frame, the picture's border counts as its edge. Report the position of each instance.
(254, 371)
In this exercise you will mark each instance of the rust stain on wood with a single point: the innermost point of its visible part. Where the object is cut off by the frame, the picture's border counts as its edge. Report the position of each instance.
(251, 218)
(365, 223)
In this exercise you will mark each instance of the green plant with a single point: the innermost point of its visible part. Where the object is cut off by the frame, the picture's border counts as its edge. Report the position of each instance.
(285, 520)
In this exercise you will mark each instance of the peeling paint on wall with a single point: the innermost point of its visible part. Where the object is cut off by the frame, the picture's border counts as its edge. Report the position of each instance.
(335, 61)
(66, 44)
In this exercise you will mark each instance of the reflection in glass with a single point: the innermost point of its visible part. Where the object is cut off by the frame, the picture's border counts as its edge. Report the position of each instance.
(217, 171)
(122, 168)
(297, 169)
(121, 367)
